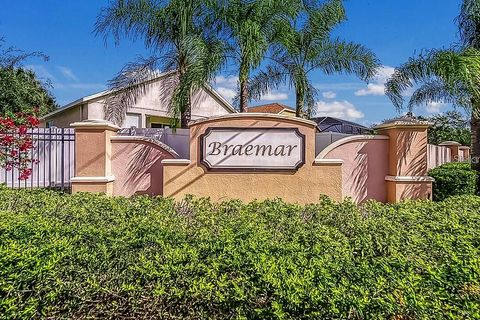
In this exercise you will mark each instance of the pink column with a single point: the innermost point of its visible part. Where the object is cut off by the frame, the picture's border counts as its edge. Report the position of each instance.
(407, 151)
(93, 157)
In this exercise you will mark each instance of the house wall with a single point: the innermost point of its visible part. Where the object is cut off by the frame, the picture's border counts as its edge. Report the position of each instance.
(64, 119)
(155, 103)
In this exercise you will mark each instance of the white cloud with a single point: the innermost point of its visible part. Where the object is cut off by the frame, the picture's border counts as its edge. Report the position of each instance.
(227, 93)
(329, 95)
(377, 87)
(229, 81)
(434, 107)
(41, 72)
(67, 73)
(274, 96)
(227, 86)
(338, 109)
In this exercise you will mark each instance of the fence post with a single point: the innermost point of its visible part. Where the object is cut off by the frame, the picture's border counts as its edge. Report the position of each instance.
(407, 169)
(93, 163)
(454, 150)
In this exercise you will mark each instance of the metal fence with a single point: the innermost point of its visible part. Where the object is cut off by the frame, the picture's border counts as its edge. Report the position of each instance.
(54, 150)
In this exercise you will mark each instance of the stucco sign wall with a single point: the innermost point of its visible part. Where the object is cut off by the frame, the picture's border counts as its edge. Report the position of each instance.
(252, 149)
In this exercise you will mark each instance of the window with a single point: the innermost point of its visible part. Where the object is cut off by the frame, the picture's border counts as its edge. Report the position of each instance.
(132, 120)
(159, 125)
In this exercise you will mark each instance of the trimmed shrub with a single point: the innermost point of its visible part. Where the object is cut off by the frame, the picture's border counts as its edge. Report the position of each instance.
(90, 256)
(453, 179)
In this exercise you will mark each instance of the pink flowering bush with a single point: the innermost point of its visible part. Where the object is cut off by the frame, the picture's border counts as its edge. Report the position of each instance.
(16, 142)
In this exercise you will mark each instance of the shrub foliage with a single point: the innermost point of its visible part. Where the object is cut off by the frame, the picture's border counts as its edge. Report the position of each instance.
(90, 256)
(453, 179)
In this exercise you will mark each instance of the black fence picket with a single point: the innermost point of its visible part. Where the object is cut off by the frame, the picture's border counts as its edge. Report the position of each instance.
(54, 151)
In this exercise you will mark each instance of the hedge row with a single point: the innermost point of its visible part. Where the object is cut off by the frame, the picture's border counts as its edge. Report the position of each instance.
(453, 179)
(89, 256)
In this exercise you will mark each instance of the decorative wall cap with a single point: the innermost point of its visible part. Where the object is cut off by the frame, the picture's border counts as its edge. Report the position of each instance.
(409, 178)
(450, 143)
(94, 179)
(183, 162)
(252, 115)
(328, 162)
(403, 123)
(160, 144)
(464, 148)
(348, 139)
(95, 124)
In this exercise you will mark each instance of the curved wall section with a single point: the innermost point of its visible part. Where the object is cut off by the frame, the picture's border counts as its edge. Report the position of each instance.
(137, 165)
(365, 166)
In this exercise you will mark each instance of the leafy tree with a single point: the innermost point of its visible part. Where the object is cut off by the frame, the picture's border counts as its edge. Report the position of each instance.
(449, 126)
(305, 45)
(447, 75)
(179, 32)
(249, 27)
(20, 89)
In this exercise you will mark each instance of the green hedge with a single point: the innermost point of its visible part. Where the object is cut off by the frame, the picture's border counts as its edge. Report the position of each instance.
(89, 256)
(453, 179)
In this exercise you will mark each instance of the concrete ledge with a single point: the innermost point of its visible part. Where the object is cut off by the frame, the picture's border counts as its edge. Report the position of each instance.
(320, 162)
(409, 178)
(342, 141)
(253, 115)
(93, 179)
(180, 162)
(95, 125)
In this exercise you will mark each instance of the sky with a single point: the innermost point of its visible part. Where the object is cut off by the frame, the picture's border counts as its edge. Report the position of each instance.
(81, 63)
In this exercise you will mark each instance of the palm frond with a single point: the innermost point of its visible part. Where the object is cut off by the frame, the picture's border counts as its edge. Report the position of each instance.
(128, 86)
(345, 57)
(436, 91)
(469, 23)
(266, 80)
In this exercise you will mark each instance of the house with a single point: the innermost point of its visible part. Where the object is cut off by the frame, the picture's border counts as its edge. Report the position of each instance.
(330, 124)
(276, 108)
(149, 111)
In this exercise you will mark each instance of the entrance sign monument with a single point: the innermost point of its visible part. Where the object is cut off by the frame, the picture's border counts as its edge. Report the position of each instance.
(255, 149)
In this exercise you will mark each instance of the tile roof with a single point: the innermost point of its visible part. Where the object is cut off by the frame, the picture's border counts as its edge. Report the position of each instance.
(270, 108)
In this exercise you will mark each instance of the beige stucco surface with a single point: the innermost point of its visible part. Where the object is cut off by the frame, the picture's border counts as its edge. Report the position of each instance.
(302, 186)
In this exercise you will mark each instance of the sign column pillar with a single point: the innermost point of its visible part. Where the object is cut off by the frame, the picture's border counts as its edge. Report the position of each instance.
(407, 152)
(93, 152)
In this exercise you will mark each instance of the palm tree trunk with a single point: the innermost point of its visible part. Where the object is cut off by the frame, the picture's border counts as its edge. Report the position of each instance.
(299, 103)
(243, 78)
(243, 96)
(475, 152)
(186, 115)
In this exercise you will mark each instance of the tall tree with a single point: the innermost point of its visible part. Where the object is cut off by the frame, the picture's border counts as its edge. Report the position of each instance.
(179, 34)
(449, 126)
(304, 45)
(20, 89)
(249, 27)
(447, 75)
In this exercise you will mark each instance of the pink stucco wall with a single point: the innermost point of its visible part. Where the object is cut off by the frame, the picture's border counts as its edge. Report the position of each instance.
(438, 155)
(137, 166)
(365, 165)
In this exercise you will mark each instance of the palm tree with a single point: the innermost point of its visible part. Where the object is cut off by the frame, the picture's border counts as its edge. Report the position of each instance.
(182, 42)
(304, 45)
(249, 26)
(448, 75)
